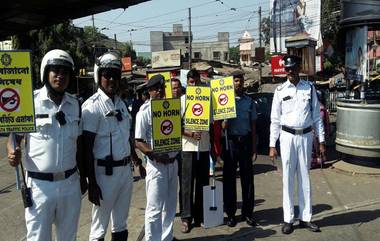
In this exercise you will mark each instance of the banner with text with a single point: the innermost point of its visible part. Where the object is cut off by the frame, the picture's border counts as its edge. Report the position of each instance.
(197, 115)
(166, 125)
(16, 92)
(168, 83)
(223, 98)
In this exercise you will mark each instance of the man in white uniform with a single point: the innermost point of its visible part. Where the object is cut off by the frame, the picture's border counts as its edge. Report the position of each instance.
(50, 154)
(295, 111)
(106, 128)
(162, 170)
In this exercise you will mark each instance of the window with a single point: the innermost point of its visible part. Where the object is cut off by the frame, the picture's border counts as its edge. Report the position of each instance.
(216, 55)
(244, 57)
(197, 55)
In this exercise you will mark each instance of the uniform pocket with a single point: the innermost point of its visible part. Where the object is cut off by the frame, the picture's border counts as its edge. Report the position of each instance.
(43, 127)
(288, 106)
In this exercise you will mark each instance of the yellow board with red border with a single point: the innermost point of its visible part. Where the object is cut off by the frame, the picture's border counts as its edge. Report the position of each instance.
(168, 83)
(166, 125)
(197, 112)
(223, 98)
(16, 92)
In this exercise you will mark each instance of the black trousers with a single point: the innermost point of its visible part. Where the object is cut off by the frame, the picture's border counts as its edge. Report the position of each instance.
(239, 153)
(195, 173)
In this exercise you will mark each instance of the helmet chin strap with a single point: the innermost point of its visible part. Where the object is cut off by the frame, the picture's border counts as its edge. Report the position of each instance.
(53, 91)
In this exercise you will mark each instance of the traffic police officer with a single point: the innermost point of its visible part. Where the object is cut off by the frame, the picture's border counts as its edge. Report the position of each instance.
(295, 111)
(241, 133)
(50, 154)
(162, 170)
(106, 128)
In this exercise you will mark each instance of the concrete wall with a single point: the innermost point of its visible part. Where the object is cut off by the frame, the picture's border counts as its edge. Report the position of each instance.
(156, 41)
(207, 49)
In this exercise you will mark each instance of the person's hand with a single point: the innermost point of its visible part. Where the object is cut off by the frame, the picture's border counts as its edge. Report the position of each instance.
(254, 156)
(220, 161)
(196, 135)
(83, 185)
(322, 150)
(14, 156)
(94, 193)
(272, 154)
(224, 124)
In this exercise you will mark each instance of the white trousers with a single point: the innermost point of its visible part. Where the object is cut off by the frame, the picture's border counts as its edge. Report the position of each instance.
(161, 195)
(296, 159)
(55, 203)
(117, 192)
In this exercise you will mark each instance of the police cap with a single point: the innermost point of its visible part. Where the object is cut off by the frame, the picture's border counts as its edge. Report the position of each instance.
(155, 80)
(291, 61)
(238, 73)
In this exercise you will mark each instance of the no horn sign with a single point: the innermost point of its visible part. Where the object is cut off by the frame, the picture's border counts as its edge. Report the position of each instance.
(9, 100)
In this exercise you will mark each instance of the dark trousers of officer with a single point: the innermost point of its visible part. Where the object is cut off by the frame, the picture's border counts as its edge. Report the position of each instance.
(179, 159)
(194, 170)
(239, 153)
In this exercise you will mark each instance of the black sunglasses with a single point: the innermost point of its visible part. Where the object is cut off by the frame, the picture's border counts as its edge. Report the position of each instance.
(111, 73)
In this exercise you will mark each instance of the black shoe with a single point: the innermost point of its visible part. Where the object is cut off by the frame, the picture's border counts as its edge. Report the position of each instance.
(249, 221)
(231, 222)
(287, 228)
(309, 225)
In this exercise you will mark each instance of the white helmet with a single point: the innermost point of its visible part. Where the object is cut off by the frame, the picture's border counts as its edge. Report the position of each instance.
(107, 60)
(55, 57)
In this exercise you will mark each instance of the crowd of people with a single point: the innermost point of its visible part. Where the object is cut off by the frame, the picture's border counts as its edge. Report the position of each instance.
(91, 147)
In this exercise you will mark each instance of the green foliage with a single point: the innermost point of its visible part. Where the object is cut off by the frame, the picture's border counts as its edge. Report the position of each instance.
(141, 61)
(128, 51)
(234, 54)
(61, 36)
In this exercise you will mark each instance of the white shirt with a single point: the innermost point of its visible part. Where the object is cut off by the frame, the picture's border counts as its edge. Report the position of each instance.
(143, 129)
(53, 147)
(292, 107)
(94, 119)
(189, 143)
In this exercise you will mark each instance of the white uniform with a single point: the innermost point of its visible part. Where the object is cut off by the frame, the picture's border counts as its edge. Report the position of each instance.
(161, 185)
(52, 149)
(116, 188)
(296, 107)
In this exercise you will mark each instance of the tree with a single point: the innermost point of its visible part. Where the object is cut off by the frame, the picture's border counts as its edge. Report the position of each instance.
(265, 30)
(234, 54)
(61, 36)
(128, 51)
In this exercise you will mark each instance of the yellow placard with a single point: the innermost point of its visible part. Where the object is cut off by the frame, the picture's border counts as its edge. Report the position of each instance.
(223, 98)
(197, 115)
(16, 92)
(166, 125)
(168, 83)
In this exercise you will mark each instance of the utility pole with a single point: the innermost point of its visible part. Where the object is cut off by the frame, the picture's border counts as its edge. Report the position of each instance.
(93, 26)
(190, 39)
(260, 71)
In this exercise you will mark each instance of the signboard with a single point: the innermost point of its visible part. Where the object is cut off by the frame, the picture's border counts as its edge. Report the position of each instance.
(197, 115)
(168, 83)
(16, 92)
(166, 125)
(277, 65)
(223, 98)
(169, 58)
(127, 64)
(292, 17)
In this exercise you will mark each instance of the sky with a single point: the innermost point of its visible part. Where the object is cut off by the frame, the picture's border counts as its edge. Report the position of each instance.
(208, 18)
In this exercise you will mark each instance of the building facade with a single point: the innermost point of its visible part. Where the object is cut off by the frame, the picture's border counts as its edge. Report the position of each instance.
(179, 39)
(246, 49)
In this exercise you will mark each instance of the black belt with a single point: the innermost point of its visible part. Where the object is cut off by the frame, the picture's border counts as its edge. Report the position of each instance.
(296, 131)
(52, 177)
(109, 164)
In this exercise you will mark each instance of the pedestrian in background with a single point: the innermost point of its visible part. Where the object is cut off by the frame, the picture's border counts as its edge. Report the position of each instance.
(162, 171)
(195, 166)
(52, 154)
(241, 151)
(295, 112)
